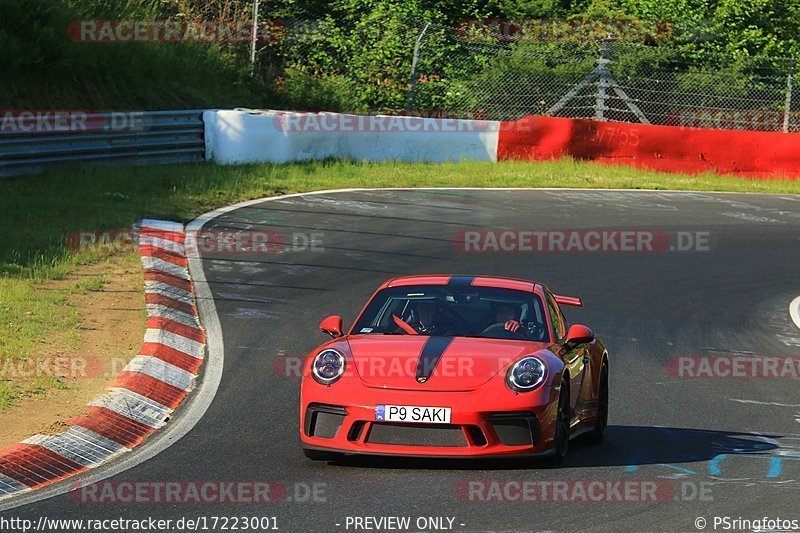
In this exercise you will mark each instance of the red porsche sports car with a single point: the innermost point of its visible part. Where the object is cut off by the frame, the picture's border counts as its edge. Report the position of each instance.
(455, 366)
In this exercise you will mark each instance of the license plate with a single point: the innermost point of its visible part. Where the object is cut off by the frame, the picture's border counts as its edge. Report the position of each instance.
(412, 413)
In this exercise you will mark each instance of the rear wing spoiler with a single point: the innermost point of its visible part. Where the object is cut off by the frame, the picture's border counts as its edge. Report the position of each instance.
(568, 300)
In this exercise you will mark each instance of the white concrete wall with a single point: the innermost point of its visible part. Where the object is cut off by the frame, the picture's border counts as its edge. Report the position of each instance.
(249, 136)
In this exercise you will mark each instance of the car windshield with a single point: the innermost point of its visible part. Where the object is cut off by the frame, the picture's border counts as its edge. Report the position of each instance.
(454, 311)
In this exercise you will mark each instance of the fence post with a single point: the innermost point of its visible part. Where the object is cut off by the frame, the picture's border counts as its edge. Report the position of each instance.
(787, 111)
(254, 38)
(603, 81)
(413, 81)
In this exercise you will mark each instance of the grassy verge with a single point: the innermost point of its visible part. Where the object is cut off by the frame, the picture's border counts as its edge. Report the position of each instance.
(46, 65)
(41, 211)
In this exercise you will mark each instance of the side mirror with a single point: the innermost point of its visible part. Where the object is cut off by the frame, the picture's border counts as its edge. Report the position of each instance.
(332, 326)
(579, 334)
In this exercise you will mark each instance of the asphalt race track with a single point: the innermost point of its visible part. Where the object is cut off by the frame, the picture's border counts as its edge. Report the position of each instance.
(722, 446)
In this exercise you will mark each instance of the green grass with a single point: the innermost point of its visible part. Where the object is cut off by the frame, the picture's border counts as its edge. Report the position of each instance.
(29, 316)
(8, 393)
(41, 211)
(93, 283)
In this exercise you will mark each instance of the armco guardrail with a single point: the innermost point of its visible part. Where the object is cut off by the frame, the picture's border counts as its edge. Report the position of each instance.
(38, 141)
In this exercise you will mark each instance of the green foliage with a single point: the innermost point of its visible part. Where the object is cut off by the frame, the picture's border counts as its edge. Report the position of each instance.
(324, 92)
(516, 9)
(44, 68)
(604, 10)
(758, 27)
(355, 55)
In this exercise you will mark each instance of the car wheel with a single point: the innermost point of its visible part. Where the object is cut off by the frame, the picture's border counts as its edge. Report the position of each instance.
(320, 455)
(561, 445)
(599, 432)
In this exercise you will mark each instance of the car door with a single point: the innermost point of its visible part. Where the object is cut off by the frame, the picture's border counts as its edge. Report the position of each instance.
(575, 358)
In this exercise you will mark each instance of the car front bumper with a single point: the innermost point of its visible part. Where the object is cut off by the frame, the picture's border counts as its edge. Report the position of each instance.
(492, 421)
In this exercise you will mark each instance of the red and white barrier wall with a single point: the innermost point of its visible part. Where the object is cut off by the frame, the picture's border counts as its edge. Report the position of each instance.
(244, 136)
(667, 148)
(144, 394)
(248, 136)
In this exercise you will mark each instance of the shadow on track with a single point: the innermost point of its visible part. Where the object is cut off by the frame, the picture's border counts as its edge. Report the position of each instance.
(623, 446)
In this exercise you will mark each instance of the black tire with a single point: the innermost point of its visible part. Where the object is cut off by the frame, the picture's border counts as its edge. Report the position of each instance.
(320, 455)
(561, 444)
(598, 434)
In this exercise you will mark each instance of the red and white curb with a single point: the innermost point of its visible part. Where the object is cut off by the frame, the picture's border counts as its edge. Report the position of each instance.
(144, 394)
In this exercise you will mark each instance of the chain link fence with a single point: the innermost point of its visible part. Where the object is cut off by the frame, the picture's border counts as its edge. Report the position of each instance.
(603, 79)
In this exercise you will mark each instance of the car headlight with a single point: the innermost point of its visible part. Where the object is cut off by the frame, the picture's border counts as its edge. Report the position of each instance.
(328, 366)
(526, 374)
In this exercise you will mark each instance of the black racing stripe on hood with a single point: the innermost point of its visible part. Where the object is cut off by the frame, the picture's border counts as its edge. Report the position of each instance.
(461, 280)
(429, 357)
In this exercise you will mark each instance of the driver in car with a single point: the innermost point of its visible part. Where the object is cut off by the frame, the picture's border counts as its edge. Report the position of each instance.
(426, 322)
(508, 315)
